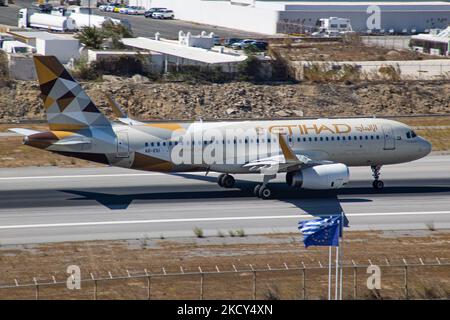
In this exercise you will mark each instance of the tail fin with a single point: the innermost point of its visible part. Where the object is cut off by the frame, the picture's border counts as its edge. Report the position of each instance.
(67, 106)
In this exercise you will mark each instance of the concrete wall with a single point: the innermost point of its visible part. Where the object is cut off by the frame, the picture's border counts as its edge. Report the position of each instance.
(21, 67)
(219, 13)
(263, 18)
(155, 59)
(64, 50)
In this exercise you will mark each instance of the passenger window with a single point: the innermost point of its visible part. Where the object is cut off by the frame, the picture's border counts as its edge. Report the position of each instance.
(315, 138)
(326, 138)
(146, 144)
(298, 139)
(321, 139)
(349, 138)
(310, 139)
(378, 137)
(371, 137)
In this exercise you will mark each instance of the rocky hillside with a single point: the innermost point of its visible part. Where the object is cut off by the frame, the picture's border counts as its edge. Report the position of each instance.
(146, 100)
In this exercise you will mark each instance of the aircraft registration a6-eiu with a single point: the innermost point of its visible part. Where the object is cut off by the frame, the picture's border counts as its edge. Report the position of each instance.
(314, 153)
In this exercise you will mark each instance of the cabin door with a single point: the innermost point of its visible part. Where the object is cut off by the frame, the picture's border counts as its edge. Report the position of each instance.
(389, 139)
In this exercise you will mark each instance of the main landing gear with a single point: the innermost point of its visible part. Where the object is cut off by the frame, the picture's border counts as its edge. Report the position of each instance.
(262, 190)
(377, 184)
(225, 180)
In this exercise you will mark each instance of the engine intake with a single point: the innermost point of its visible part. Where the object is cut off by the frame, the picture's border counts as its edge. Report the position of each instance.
(324, 176)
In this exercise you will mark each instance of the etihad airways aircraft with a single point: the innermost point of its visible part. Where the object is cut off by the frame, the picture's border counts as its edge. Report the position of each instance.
(314, 153)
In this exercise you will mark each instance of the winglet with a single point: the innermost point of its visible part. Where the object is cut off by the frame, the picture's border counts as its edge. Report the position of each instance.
(289, 155)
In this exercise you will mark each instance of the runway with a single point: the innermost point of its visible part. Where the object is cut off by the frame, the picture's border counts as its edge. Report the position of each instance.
(55, 204)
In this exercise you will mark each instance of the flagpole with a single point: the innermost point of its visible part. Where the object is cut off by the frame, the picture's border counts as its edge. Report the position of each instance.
(340, 253)
(337, 272)
(329, 273)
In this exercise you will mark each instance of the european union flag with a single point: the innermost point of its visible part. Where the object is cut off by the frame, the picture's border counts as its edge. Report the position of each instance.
(321, 232)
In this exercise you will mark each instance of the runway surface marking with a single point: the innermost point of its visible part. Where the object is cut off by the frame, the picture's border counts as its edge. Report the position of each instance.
(97, 223)
(113, 175)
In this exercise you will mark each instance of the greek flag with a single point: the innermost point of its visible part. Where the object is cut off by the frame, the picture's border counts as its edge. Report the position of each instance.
(321, 232)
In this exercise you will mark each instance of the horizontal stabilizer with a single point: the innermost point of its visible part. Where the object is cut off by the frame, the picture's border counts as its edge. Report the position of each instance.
(72, 142)
(23, 132)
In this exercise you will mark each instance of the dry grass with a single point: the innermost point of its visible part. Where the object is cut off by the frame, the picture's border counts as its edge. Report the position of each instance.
(99, 257)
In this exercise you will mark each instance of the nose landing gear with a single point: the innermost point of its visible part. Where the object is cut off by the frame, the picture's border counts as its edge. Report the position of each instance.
(377, 184)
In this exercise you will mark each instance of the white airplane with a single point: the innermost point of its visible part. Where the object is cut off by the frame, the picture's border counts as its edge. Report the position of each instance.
(314, 153)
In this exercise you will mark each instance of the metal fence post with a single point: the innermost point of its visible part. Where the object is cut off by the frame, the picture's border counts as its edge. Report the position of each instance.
(201, 283)
(36, 296)
(304, 281)
(149, 283)
(355, 281)
(253, 282)
(406, 283)
(95, 286)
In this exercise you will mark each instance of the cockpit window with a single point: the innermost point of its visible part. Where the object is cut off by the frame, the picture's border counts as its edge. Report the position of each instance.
(411, 134)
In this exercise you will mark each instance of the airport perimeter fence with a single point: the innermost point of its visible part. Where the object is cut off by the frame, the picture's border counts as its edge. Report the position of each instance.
(401, 279)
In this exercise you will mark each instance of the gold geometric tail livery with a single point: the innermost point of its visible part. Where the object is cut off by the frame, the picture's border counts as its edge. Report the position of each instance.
(314, 153)
(67, 106)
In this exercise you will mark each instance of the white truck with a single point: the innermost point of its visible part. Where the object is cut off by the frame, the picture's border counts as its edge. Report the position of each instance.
(45, 21)
(333, 27)
(82, 17)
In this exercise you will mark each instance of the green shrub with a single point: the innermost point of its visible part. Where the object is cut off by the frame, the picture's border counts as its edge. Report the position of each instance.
(198, 232)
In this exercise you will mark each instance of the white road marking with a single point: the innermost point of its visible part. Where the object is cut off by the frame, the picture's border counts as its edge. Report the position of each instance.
(114, 175)
(99, 223)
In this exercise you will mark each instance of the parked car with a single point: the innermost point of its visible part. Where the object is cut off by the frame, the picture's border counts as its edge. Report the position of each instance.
(110, 7)
(136, 10)
(228, 42)
(163, 14)
(124, 10)
(151, 11)
(242, 44)
(42, 8)
(117, 9)
(260, 45)
(102, 7)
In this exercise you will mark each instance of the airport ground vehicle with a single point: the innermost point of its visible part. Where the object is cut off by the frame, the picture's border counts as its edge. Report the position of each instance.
(314, 153)
(45, 21)
(163, 14)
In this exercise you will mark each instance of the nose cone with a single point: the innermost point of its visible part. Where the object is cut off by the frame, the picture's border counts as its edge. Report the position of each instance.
(424, 147)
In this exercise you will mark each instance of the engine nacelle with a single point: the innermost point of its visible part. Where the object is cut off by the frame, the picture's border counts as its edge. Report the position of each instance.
(324, 176)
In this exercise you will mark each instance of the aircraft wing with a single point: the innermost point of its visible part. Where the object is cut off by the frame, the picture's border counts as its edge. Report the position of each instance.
(288, 160)
(23, 132)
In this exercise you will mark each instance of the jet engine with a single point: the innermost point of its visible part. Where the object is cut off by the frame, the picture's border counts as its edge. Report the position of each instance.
(324, 176)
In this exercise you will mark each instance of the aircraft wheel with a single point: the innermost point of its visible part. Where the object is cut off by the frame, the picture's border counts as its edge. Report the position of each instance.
(256, 190)
(220, 179)
(378, 184)
(228, 181)
(264, 192)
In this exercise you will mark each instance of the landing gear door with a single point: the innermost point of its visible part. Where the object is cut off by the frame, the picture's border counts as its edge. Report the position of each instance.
(389, 139)
(123, 148)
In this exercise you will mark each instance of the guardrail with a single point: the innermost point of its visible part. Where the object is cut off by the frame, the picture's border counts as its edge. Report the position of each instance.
(301, 273)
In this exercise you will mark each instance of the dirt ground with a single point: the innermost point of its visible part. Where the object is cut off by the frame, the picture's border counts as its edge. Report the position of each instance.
(341, 51)
(157, 256)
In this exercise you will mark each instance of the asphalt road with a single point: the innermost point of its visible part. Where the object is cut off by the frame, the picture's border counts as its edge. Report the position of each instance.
(54, 204)
(141, 26)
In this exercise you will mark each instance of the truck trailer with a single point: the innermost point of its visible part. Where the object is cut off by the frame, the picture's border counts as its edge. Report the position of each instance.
(45, 21)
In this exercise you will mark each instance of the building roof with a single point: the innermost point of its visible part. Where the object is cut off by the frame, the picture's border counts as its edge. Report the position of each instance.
(40, 35)
(175, 49)
(443, 36)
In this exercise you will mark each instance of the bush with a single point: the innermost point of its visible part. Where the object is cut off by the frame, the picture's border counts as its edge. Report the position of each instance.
(389, 72)
(4, 69)
(250, 69)
(124, 65)
(326, 72)
(84, 71)
(91, 37)
(198, 232)
(198, 74)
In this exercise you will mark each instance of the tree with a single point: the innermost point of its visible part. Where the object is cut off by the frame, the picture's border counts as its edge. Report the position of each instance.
(91, 37)
(116, 32)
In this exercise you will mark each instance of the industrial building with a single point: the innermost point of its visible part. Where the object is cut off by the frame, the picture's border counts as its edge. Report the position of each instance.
(435, 43)
(291, 16)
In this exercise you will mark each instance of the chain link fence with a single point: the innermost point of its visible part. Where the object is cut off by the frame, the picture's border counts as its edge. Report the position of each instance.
(398, 280)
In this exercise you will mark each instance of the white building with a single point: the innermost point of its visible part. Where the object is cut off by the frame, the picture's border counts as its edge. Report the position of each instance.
(182, 53)
(62, 46)
(292, 16)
